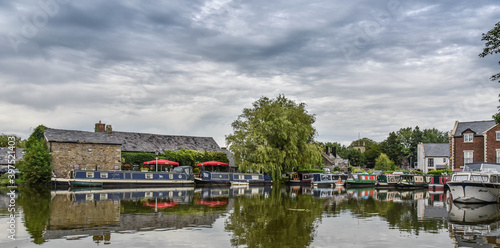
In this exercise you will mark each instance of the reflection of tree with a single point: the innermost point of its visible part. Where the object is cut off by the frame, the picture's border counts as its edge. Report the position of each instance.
(35, 202)
(261, 221)
(401, 215)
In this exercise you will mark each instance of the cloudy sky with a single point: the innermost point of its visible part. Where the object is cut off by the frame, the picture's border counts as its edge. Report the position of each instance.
(364, 68)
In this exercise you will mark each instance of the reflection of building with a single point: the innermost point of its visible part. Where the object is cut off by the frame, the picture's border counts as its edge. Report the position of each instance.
(432, 156)
(102, 149)
(477, 141)
(99, 213)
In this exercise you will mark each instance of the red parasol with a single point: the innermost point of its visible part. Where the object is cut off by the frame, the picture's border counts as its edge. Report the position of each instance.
(162, 161)
(212, 163)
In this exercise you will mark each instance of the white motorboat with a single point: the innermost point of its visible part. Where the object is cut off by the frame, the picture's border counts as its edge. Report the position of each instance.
(477, 183)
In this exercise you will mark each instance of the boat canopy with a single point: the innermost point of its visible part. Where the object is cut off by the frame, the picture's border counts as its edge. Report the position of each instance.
(482, 167)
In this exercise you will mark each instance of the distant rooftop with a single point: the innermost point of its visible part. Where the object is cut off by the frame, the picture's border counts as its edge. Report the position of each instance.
(5, 152)
(476, 126)
(437, 149)
(134, 142)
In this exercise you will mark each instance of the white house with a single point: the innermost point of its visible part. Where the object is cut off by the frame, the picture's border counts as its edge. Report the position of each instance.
(433, 156)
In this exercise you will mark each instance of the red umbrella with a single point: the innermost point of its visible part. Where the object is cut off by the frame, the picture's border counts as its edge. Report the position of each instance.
(162, 161)
(212, 163)
(160, 204)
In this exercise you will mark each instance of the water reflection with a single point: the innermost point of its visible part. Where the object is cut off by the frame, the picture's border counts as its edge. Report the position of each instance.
(475, 225)
(252, 216)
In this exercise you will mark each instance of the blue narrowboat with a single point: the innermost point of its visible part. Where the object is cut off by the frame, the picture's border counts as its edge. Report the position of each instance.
(179, 176)
(232, 178)
(328, 180)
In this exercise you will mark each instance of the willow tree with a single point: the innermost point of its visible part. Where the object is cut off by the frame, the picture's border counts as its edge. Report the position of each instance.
(274, 136)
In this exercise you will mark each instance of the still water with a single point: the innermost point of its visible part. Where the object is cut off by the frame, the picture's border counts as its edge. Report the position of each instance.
(277, 216)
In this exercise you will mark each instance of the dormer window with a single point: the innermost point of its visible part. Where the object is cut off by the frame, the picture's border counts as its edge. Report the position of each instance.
(468, 137)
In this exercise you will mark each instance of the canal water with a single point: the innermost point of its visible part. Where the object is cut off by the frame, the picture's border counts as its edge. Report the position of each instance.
(277, 216)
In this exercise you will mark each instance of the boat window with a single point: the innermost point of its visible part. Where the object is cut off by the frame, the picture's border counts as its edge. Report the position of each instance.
(171, 176)
(493, 179)
(255, 177)
(236, 177)
(90, 175)
(103, 197)
(104, 175)
(479, 178)
(460, 178)
(307, 176)
(149, 175)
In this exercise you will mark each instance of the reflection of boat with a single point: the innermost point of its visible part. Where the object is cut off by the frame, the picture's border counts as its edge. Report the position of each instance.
(477, 183)
(361, 180)
(474, 213)
(225, 178)
(328, 180)
(327, 192)
(181, 175)
(181, 194)
(362, 193)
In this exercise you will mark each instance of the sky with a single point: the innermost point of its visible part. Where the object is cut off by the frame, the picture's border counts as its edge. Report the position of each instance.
(363, 68)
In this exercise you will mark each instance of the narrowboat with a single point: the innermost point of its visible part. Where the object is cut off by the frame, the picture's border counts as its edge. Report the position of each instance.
(232, 178)
(328, 180)
(437, 182)
(388, 180)
(361, 180)
(477, 183)
(412, 181)
(300, 178)
(179, 176)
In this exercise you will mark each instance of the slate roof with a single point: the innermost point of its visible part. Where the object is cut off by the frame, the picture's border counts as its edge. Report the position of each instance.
(4, 155)
(436, 149)
(477, 126)
(134, 142)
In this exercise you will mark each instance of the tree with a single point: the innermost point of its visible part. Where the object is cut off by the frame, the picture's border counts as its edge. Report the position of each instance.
(6, 139)
(492, 46)
(392, 148)
(35, 167)
(384, 163)
(275, 135)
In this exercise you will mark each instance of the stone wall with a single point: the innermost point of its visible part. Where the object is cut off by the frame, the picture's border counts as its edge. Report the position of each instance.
(65, 156)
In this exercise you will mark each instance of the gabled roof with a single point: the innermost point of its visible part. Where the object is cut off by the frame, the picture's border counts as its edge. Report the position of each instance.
(134, 142)
(477, 127)
(436, 149)
(5, 152)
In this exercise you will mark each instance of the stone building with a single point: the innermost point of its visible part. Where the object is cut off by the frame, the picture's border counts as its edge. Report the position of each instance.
(101, 150)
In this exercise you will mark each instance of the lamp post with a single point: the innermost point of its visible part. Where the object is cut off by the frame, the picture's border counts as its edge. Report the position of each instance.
(156, 153)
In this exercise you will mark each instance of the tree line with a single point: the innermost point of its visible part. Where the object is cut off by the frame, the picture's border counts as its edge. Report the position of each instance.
(400, 147)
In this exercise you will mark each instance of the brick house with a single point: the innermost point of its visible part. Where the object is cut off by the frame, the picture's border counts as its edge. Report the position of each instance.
(101, 150)
(477, 141)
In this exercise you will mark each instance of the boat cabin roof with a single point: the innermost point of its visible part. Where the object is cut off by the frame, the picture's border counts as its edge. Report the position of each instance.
(482, 167)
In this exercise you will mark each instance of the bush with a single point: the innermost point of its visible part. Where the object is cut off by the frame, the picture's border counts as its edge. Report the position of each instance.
(35, 167)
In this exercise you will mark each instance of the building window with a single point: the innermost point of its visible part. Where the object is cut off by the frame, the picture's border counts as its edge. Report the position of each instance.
(468, 137)
(498, 136)
(498, 156)
(468, 157)
(430, 162)
(444, 160)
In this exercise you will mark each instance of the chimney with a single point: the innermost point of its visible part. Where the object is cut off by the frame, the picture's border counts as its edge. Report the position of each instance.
(109, 130)
(100, 127)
